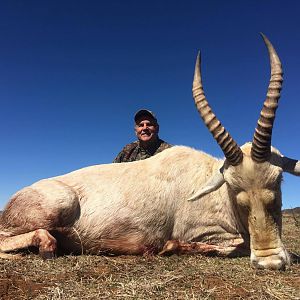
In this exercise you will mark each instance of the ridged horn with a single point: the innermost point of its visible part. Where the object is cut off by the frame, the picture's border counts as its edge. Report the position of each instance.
(261, 145)
(231, 150)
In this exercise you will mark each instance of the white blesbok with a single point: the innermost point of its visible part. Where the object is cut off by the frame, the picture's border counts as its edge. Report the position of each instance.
(142, 207)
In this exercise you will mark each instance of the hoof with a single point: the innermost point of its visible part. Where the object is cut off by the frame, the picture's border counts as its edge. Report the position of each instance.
(47, 254)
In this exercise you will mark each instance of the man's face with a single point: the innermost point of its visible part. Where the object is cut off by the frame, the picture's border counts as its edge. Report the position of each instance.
(146, 129)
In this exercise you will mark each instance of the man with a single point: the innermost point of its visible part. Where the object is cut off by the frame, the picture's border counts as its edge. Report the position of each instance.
(148, 143)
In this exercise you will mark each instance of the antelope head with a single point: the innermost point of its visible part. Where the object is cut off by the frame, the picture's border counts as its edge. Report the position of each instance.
(253, 172)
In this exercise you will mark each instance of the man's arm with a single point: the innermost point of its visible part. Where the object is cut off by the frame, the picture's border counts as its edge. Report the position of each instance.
(125, 154)
(163, 146)
(119, 157)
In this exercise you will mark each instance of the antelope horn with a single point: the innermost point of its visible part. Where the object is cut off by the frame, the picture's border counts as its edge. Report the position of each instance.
(261, 145)
(231, 150)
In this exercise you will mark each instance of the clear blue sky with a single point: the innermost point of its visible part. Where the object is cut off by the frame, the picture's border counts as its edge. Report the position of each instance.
(72, 74)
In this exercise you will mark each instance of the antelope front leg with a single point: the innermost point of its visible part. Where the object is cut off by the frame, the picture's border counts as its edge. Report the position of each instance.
(40, 238)
(178, 247)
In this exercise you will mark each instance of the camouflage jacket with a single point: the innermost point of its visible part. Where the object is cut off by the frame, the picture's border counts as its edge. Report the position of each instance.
(134, 151)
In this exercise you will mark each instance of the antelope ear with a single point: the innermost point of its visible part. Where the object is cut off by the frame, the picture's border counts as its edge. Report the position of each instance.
(214, 183)
(291, 166)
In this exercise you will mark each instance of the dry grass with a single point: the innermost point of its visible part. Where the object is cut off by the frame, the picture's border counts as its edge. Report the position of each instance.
(131, 277)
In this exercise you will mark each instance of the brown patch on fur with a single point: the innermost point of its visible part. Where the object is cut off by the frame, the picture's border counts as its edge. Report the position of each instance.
(69, 242)
(122, 237)
(129, 244)
(25, 213)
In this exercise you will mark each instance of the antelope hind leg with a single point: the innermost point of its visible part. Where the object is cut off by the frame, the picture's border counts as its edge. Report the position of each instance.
(33, 212)
(179, 247)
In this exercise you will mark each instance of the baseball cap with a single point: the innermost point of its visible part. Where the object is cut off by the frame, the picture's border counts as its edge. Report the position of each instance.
(144, 112)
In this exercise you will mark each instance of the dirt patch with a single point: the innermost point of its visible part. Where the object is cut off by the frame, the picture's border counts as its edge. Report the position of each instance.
(13, 286)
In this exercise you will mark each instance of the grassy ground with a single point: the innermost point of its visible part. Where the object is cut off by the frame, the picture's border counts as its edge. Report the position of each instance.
(131, 277)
